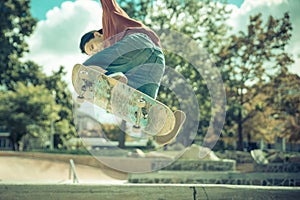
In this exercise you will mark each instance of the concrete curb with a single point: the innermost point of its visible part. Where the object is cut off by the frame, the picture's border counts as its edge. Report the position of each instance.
(144, 191)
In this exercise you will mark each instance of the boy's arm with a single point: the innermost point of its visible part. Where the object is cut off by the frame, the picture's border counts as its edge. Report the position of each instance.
(115, 20)
(108, 4)
(111, 6)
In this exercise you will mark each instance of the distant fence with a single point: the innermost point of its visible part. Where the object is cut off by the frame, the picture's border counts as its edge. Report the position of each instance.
(233, 178)
(278, 167)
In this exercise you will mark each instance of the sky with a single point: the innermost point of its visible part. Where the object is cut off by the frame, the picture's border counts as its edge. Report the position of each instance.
(39, 9)
(61, 23)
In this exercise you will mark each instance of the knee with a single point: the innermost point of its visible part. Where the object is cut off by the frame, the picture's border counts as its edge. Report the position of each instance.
(150, 89)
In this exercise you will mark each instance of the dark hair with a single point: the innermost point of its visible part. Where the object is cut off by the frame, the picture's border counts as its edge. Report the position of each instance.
(87, 37)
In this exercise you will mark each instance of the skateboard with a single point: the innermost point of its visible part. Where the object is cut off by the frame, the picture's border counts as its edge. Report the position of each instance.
(116, 97)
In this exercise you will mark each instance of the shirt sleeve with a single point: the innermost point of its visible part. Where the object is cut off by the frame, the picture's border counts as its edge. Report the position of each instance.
(115, 20)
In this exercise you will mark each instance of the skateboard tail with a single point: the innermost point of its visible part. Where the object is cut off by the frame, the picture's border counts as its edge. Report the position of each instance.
(161, 120)
(180, 118)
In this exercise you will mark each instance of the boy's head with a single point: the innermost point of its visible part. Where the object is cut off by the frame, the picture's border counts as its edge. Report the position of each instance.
(91, 42)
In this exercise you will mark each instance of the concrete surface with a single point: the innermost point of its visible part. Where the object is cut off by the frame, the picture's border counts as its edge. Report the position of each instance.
(141, 192)
(36, 178)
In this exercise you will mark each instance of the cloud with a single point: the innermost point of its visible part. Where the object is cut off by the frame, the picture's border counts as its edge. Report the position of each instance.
(240, 18)
(55, 41)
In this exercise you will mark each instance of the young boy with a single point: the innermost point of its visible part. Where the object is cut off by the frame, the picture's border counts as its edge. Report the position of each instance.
(127, 46)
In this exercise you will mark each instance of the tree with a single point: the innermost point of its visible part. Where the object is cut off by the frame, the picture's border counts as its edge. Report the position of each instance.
(262, 124)
(285, 100)
(16, 24)
(27, 110)
(64, 126)
(16, 75)
(136, 9)
(202, 22)
(248, 61)
(276, 111)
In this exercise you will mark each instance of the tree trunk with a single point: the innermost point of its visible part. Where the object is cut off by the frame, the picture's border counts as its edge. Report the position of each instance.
(122, 135)
(14, 142)
(240, 142)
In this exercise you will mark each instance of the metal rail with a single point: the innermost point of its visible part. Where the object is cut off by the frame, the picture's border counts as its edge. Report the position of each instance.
(72, 171)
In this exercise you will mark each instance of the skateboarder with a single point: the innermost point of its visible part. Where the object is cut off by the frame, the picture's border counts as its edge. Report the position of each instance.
(127, 46)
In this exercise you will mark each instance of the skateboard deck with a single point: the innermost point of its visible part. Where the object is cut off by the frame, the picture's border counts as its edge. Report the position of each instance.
(131, 105)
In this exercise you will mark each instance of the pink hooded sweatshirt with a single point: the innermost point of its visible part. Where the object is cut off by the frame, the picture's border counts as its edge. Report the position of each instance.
(117, 24)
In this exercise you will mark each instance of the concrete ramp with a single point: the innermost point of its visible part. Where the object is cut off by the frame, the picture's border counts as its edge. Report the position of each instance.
(34, 170)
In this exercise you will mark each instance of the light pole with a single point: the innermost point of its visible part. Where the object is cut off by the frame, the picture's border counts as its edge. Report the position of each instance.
(52, 123)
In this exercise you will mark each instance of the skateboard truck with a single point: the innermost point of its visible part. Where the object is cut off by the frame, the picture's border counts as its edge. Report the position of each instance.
(139, 114)
(80, 97)
(86, 87)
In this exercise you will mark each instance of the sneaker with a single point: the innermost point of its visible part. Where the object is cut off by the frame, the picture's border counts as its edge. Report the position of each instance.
(119, 76)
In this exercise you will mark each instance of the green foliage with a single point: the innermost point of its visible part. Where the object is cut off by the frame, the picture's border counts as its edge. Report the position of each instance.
(30, 100)
(203, 21)
(64, 125)
(27, 110)
(286, 104)
(82, 151)
(16, 24)
(248, 62)
(111, 131)
(136, 9)
(201, 25)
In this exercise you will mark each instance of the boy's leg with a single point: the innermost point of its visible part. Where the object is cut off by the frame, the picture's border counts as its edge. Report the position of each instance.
(146, 77)
(150, 89)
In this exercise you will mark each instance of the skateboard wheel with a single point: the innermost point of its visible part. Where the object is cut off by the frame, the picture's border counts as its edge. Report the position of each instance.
(80, 99)
(141, 103)
(136, 129)
(83, 74)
